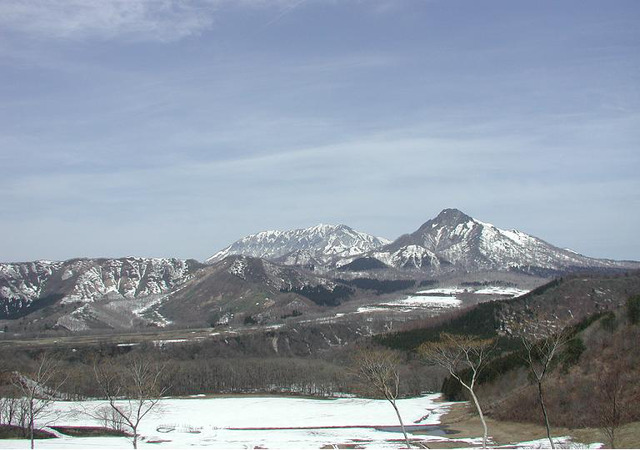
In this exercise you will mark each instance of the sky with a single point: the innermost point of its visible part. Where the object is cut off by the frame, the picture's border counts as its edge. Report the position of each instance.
(171, 128)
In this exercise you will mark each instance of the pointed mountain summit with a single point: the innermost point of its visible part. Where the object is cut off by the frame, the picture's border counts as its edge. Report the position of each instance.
(319, 244)
(459, 241)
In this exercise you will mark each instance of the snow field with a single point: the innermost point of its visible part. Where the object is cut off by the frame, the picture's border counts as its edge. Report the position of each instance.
(249, 422)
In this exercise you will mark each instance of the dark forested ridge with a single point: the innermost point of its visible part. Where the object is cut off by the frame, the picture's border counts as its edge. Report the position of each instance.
(571, 299)
(379, 286)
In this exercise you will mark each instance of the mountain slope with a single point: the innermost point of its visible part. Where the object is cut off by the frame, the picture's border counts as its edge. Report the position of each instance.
(319, 244)
(457, 241)
(567, 300)
(244, 286)
(22, 285)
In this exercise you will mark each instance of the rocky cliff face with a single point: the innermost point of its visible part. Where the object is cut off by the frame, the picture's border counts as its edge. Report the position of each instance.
(87, 280)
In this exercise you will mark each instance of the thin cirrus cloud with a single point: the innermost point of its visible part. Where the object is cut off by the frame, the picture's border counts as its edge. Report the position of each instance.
(139, 20)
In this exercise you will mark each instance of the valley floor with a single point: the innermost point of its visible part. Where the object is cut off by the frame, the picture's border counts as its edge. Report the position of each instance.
(286, 422)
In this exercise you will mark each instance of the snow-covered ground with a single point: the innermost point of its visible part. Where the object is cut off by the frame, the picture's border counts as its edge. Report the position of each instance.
(415, 301)
(442, 291)
(412, 303)
(254, 422)
(438, 298)
(487, 290)
(500, 290)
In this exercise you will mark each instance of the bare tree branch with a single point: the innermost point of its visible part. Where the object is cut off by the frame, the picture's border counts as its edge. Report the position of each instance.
(132, 391)
(456, 353)
(379, 369)
(542, 341)
(39, 389)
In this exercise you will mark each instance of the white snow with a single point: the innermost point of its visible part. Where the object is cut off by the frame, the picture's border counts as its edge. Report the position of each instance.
(562, 442)
(423, 301)
(518, 237)
(238, 268)
(500, 290)
(443, 291)
(322, 242)
(487, 290)
(412, 303)
(253, 422)
(239, 422)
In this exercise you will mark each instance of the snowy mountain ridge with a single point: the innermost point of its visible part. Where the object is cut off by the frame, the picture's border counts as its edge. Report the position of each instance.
(450, 242)
(87, 280)
(456, 240)
(321, 243)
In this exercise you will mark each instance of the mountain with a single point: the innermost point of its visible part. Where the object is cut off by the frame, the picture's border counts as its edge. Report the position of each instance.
(267, 274)
(26, 286)
(244, 286)
(85, 294)
(456, 241)
(321, 244)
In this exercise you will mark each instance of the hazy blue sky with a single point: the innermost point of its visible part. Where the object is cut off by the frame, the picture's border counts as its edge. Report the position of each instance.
(172, 128)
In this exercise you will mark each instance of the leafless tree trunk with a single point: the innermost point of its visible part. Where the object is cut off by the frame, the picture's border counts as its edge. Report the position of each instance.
(542, 343)
(379, 369)
(457, 353)
(613, 410)
(39, 389)
(132, 390)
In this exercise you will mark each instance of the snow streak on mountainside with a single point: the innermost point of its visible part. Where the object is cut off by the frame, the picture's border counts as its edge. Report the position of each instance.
(87, 280)
(25, 281)
(319, 244)
(454, 239)
(410, 257)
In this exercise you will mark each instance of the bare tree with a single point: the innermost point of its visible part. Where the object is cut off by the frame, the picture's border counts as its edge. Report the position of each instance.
(108, 417)
(456, 354)
(542, 342)
(12, 411)
(38, 388)
(132, 390)
(379, 370)
(614, 407)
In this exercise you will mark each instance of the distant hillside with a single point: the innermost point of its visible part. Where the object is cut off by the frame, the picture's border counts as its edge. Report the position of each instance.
(599, 364)
(570, 299)
(602, 359)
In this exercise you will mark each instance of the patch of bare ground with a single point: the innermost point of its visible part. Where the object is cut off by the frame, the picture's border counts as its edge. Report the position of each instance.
(327, 446)
(461, 422)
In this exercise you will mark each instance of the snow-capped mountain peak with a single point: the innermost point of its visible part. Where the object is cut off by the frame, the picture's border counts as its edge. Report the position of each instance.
(322, 243)
(470, 244)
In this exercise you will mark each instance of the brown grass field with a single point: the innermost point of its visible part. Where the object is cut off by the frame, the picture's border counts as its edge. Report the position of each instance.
(462, 422)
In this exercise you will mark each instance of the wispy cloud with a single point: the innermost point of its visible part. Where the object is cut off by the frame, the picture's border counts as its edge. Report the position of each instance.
(139, 20)
(106, 19)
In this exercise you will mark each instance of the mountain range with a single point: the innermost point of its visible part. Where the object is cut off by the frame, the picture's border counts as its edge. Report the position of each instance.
(321, 244)
(449, 242)
(275, 271)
